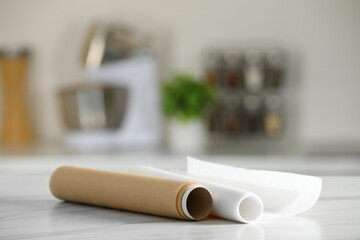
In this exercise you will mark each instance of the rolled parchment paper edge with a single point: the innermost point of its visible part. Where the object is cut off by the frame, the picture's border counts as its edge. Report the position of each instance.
(188, 197)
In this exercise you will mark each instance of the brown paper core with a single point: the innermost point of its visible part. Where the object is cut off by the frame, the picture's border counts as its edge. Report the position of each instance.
(199, 203)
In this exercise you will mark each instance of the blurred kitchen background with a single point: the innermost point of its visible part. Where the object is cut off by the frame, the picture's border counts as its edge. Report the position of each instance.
(182, 77)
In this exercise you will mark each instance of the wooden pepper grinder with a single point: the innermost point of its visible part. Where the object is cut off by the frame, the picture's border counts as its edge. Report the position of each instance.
(16, 128)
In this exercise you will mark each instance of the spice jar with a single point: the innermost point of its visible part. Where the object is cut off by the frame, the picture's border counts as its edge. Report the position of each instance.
(233, 74)
(253, 114)
(253, 71)
(273, 122)
(274, 68)
(16, 128)
(231, 119)
(212, 68)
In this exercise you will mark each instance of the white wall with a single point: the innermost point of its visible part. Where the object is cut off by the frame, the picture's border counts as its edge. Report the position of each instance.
(323, 37)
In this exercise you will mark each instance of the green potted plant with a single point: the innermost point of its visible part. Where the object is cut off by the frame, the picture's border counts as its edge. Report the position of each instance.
(185, 102)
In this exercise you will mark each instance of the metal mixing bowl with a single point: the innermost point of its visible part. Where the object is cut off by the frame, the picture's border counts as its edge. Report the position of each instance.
(90, 106)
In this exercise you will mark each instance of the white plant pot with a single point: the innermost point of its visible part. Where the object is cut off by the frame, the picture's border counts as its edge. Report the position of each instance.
(186, 137)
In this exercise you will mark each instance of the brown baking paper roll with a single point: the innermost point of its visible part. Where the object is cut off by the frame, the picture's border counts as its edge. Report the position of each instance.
(153, 195)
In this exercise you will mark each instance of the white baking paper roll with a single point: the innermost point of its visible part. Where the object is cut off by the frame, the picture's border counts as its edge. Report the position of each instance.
(283, 194)
(228, 202)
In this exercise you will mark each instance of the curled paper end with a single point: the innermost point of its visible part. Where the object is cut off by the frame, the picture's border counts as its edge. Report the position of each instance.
(196, 202)
(250, 209)
(283, 194)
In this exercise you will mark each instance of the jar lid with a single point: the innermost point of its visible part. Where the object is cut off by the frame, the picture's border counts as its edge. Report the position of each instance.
(14, 52)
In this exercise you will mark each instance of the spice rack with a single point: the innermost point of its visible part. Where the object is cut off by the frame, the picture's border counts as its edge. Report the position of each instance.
(249, 86)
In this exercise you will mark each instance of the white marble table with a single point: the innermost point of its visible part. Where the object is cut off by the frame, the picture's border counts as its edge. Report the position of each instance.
(28, 211)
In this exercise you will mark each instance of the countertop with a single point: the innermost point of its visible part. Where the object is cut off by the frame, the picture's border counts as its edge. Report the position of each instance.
(29, 211)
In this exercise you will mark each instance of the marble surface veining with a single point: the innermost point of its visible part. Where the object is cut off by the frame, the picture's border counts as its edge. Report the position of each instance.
(28, 211)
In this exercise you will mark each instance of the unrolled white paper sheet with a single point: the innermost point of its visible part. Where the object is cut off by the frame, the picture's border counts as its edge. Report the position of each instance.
(283, 194)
